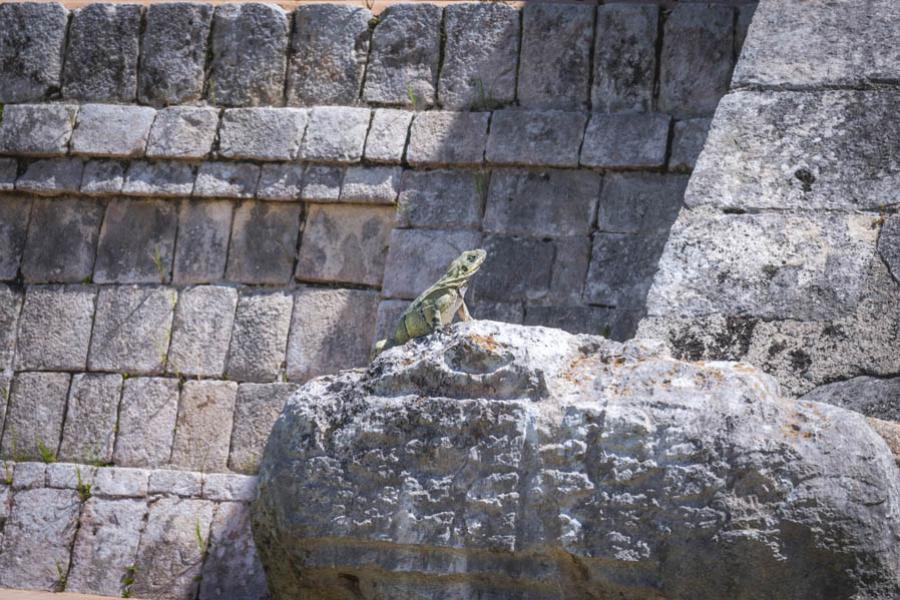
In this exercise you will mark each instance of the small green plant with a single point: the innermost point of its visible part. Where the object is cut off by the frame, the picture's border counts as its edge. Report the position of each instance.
(83, 489)
(7, 474)
(61, 577)
(156, 257)
(87, 280)
(47, 455)
(481, 180)
(373, 22)
(128, 580)
(201, 541)
(411, 95)
(1, 113)
(484, 97)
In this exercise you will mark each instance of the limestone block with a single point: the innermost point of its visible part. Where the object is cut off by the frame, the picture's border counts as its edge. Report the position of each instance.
(226, 487)
(545, 138)
(506, 312)
(102, 53)
(418, 257)
(203, 429)
(260, 335)
(202, 247)
(249, 54)
(340, 33)
(595, 320)
(322, 183)
(201, 332)
(447, 138)
(403, 61)
(554, 203)
(161, 178)
(262, 133)
(516, 268)
(387, 135)
(55, 328)
(136, 242)
(62, 240)
(106, 545)
(388, 316)
(177, 483)
(32, 37)
(183, 131)
(256, 407)
(570, 266)
(336, 134)
(889, 245)
(37, 403)
(112, 130)
(119, 481)
(8, 171)
(232, 568)
(622, 268)
(226, 180)
(67, 475)
(555, 63)
(102, 177)
(870, 396)
(696, 59)
(371, 185)
(52, 176)
(282, 181)
(146, 422)
(480, 56)
(320, 341)
(640, 202)
(173, 53)
(345, 244)
(625, 58)
(132, 329)
(687, 143)
(10, 307)
(29, 475)
(263, 242)
(626, 141)
(441, 199)
(14, 214)
(37, 129)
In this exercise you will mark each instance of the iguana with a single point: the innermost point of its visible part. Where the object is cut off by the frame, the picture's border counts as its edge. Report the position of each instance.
(436, 306)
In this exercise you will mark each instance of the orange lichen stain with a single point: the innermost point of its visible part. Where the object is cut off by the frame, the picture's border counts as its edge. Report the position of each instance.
(578, 368)
(744, 368)
(487, 342)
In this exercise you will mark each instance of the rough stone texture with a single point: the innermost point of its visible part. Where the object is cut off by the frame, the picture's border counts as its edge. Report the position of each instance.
(387, 135)
(622, 268)
(517, 268)
(336, 134)
(202, 248)
(371, 185)
(166, 178)
(36, 129)
(540, 138)
(322, 183)
(345, 244)
(870, 396)
(595, 320)
(263, 242)
(55, 328)
(320, 341)
(624, 58)
(889, 245)
(741, 27)
(225, 487)
(687, 143)
(256, 407)
(102, 53)
(173, 53)
(329, 48)
(441, 199)
(259, 338)
(10, 306)
(14, 214)
(232, 568)
(179, 483)
(227, 180)
(120, 482)
(32, 37)
(447, 138)
(52, 176)
(626, 141)
(418, 257)
(403, 61)
(8, 171)
(132, 329)
(66, 475)
(136, 242)
(37, 403)
(146, 421)
(555, 62)
(29, 475)
(640, 202)
(111, 130)
(102, 177)
(62, 240)
(183, 131)
(249, 55)
(262, 133)
(696, 59)
(890, 431)
(202, 330)
(91, 415)
(203, 429)
(502, 454)
(480, 56)
(281, 181)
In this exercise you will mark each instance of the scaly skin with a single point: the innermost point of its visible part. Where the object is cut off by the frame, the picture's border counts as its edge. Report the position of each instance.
(435, 308)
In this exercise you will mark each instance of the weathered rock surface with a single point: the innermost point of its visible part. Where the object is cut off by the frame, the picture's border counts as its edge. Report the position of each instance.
(505, 461)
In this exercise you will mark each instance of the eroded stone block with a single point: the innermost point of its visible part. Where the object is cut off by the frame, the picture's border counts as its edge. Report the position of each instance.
(136, 242)
(183, 132)
(102, 177)
(112, 130)
(52, 177)
(14, 214)
(640, 202)
(232, 568)
(203, 429)
(447, 138)
(263, 242)
(257, 405)
(146, 422)
(36, 129)
(441, 199)
(626, 141)
(32, 37)
(336, 134)
(387, 135)
(9, 169)
(10, 307)
(62, 240)
(55, 328)
(226, 180)
(281, 181)
(622, 268)
(624, 58)
(178, 483)
(687, 143)
(37, 403)
(201, 332)
(260, 335)
(262, 133)
(91, 415)
(516, 268)
(322, 183)
(119, 481)
(227, 487)
(162, 178)
(371, 185)
(545, 138)
(203, 230)
(418, 257)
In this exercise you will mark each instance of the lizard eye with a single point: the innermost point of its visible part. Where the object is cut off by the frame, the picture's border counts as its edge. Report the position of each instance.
(471, 258)
(464, 268)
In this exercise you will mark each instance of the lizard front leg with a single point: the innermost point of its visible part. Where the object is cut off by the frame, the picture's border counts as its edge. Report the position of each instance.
(463, 311)
(432, 316)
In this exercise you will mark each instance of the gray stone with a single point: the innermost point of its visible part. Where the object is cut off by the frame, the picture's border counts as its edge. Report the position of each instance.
(626, 141)
(262, 133)
(889, 246)
(405, 55)
(106, 545)
(201, 332)
(136, 242)
(178, 483)
(37, 538)
(870, 396)
(112, 130)
(336, 134)
(102, 53)
(32, 37)
(447, 138)
(388, 316)
(480, 56)
(173, 53)
(260, 335)
(10, 307)
(118, 481)
(37, 405)
(329, 48)
(322, 183)
(146, 422)
(29, 475)
(102, 177)
(202, 247)
(183, 131)
(741, 27)
(696, 59)
(553, 203)
(225, 487)
(625, 58)
(505, 312)
(203, 429)
(622, 268)
(345, 244)
(594, 320)
(640, 202)
(555, 63)
(132, 329)
(36, 129)
(55, 328)
(387, 135)
(371, 185)
(282, 181)
(441, 199)
(320, 341)
(91, 414)
(52, 176)
(162, 178)
(62, 240)
(69, 476)
(263, 242)
(418, 257)
(8, 170)
(256, 407)
(544, 138)
(14, 215)
(570, 265)
(249, 55)
(232, 568)
(516, 268)
(226, 180)
(687, 143)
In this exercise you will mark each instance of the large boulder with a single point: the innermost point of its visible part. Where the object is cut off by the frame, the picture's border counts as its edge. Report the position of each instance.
(508, 462)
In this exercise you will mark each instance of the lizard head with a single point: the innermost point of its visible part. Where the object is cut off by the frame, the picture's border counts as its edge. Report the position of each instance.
(465, 265)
